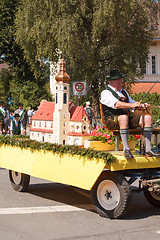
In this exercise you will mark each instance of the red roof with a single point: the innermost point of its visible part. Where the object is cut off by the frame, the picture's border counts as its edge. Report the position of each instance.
(45, 111)
(79, 134)
(144, 87)
(78, 114)
(41, 130)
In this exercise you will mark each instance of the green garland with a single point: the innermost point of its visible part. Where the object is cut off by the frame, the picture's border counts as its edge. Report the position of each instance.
(56, 148)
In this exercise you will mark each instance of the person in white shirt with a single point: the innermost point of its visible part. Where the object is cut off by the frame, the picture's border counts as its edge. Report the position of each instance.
(30, 115)
(117, 106)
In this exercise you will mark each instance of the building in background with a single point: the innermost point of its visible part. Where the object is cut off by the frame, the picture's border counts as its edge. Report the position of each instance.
(151, 71)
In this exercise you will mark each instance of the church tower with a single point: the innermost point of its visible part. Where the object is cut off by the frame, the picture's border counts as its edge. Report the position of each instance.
(61, 115)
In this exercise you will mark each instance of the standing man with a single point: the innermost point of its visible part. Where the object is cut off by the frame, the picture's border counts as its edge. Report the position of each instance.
(117, 105)
(23, 117)
(4, 118)
(90, 113)
(30, 115)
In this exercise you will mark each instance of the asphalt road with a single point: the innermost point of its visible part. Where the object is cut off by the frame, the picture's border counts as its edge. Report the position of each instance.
(50, 211)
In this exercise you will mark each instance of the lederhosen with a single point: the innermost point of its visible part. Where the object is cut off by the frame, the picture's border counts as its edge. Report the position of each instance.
(111, 115)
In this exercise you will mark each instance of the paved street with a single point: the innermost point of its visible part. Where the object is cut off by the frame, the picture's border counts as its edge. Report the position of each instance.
(54, 211)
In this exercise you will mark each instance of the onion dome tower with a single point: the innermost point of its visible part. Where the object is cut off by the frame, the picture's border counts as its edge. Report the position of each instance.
(61, 114)
(62, 76)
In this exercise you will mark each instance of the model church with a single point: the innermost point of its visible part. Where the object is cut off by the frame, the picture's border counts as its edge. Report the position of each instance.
(61, 121)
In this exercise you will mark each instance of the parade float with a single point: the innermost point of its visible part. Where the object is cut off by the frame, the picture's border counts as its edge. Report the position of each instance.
(106, 174)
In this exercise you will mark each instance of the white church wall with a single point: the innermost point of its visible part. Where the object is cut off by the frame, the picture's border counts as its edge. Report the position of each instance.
(41, 136)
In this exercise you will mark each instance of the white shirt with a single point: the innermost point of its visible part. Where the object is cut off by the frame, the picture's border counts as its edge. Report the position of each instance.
(109, 100)
(30, 113)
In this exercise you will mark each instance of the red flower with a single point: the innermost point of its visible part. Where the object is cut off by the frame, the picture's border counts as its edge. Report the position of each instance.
(137, 136)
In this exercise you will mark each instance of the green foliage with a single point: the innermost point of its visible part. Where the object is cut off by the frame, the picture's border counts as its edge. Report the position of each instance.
(93, 35)
(20, 78)
(5, 79)
(29, 93)
(55, 148)
(153, 99)
(10, 52)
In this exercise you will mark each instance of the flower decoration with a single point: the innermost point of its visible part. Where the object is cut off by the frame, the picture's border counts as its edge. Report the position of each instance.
(106, 136)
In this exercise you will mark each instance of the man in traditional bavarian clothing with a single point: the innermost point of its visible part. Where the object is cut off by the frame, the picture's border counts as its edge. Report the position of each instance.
(117, 106)
(4, 118)
(15, 126)
(23, 117)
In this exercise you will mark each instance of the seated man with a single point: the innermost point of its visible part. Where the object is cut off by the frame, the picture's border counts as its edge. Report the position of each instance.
(117, 105)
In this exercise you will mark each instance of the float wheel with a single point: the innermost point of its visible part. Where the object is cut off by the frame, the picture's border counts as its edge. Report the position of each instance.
(153, 197)
(111, 195)
(19, 181)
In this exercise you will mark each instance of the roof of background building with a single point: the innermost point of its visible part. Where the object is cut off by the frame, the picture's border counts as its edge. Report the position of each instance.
(144, 87)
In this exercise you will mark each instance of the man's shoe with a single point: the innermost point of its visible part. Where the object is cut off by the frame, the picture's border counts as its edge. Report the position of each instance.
(128, 154)
(152, 154)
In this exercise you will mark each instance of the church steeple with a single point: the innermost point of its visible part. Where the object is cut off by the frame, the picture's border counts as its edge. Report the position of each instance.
(62, 76)
(61, 114)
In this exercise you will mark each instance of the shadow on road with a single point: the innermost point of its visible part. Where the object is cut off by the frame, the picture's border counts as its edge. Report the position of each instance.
(138, 208)
(61, 193)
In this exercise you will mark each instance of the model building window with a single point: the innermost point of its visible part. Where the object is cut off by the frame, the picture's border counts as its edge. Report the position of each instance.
(38, 134)
(65, 98)
(45, 124)
(34, 123)
(56, 97)
(39, 124)
(77, 127)
(154, 70)
(63, 142)
(51, 124)
(84, 127)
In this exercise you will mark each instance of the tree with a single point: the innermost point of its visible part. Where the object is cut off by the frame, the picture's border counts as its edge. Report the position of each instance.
(93, 35)
(5, 79)
(10, 52)
(20, 75)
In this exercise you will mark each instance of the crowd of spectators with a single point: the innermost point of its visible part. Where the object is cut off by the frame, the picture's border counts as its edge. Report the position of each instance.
(14, 122)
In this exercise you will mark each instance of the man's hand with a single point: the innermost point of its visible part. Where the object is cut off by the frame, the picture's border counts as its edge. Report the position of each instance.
(142, 105)
(135, 105)
(120, 104)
